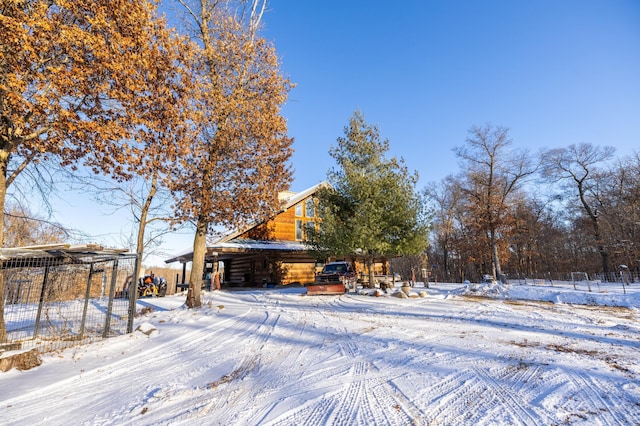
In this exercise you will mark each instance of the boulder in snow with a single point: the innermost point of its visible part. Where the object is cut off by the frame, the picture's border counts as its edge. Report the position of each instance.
(20, 360)
(400, 294)
(146, 328)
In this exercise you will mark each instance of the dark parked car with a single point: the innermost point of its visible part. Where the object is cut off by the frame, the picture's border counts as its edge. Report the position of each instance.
(338, 272)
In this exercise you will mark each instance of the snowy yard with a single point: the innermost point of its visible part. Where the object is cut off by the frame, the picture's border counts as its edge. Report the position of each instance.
(525, 356)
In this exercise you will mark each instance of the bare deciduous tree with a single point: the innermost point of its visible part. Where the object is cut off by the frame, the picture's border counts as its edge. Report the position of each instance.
(494, 172)
(620, 218)
(24, 228)
(578, 164)
(147, 201)
(445, 202)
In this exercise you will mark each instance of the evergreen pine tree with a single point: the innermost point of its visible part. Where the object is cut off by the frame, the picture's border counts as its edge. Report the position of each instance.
(371, 208)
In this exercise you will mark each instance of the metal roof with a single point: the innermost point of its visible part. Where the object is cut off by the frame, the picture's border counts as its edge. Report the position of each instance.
(58, 253)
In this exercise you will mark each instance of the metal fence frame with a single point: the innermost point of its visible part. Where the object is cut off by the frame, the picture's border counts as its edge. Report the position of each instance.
(61, 296)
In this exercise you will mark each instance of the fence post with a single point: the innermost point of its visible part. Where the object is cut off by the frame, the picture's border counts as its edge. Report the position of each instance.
(87, 296)
(112, 292)
(133, 294)
(41, 302)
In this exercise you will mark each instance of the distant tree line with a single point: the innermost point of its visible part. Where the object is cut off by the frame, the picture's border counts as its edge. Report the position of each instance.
(510, 213)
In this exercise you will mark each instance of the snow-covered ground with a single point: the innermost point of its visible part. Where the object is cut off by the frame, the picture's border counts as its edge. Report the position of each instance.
(520, 355)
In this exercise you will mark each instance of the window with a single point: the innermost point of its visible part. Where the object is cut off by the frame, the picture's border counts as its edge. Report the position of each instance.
(310, 207)
(298, 229)
(298, 209)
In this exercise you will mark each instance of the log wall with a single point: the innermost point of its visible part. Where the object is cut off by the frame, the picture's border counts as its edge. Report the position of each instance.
(283, 226)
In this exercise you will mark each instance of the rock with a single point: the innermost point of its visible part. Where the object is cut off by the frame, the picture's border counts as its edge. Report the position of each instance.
(385, 285)
(20, 360)
(146, 328)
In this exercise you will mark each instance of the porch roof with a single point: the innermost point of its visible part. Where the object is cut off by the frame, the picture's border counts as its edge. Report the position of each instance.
(240, 246)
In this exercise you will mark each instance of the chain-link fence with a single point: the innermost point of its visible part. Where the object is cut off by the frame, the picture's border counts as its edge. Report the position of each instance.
(55, 298)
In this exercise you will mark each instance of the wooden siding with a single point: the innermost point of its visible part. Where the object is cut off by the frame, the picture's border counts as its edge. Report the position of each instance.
(258, 269)
(254, 270)
(301, 273)
(283, 226)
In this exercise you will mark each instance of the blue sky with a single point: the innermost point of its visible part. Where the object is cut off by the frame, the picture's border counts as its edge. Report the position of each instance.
(554, 72)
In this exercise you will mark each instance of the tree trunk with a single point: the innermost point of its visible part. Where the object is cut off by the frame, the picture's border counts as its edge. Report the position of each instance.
(445, 264)
(595, 221)
(604, 254)
(497, 269)
(197, 265)
(144, 213)
(371, 272)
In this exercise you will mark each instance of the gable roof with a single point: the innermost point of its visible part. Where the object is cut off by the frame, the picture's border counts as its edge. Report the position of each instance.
(290, 200)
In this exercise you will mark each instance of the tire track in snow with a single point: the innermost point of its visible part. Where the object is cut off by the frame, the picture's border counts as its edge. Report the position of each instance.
(365, 396)
(250, 363)
(508, 400)
(523, 377)
(449, 400)
(510, 392)
(610, 411)
(316, 411)
(372, 386)
(154, 362)
(222, 396)
(278, 363)
(468, 392)
(331, 361)
(365, 399)
(280, 355)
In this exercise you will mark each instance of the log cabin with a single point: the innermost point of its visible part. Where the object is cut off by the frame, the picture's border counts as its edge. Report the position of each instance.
(273, 252)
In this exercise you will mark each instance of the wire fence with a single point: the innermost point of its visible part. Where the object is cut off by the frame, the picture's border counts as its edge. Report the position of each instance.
(613, 282)
(623, 276)
(584, 285)
(55, 299)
